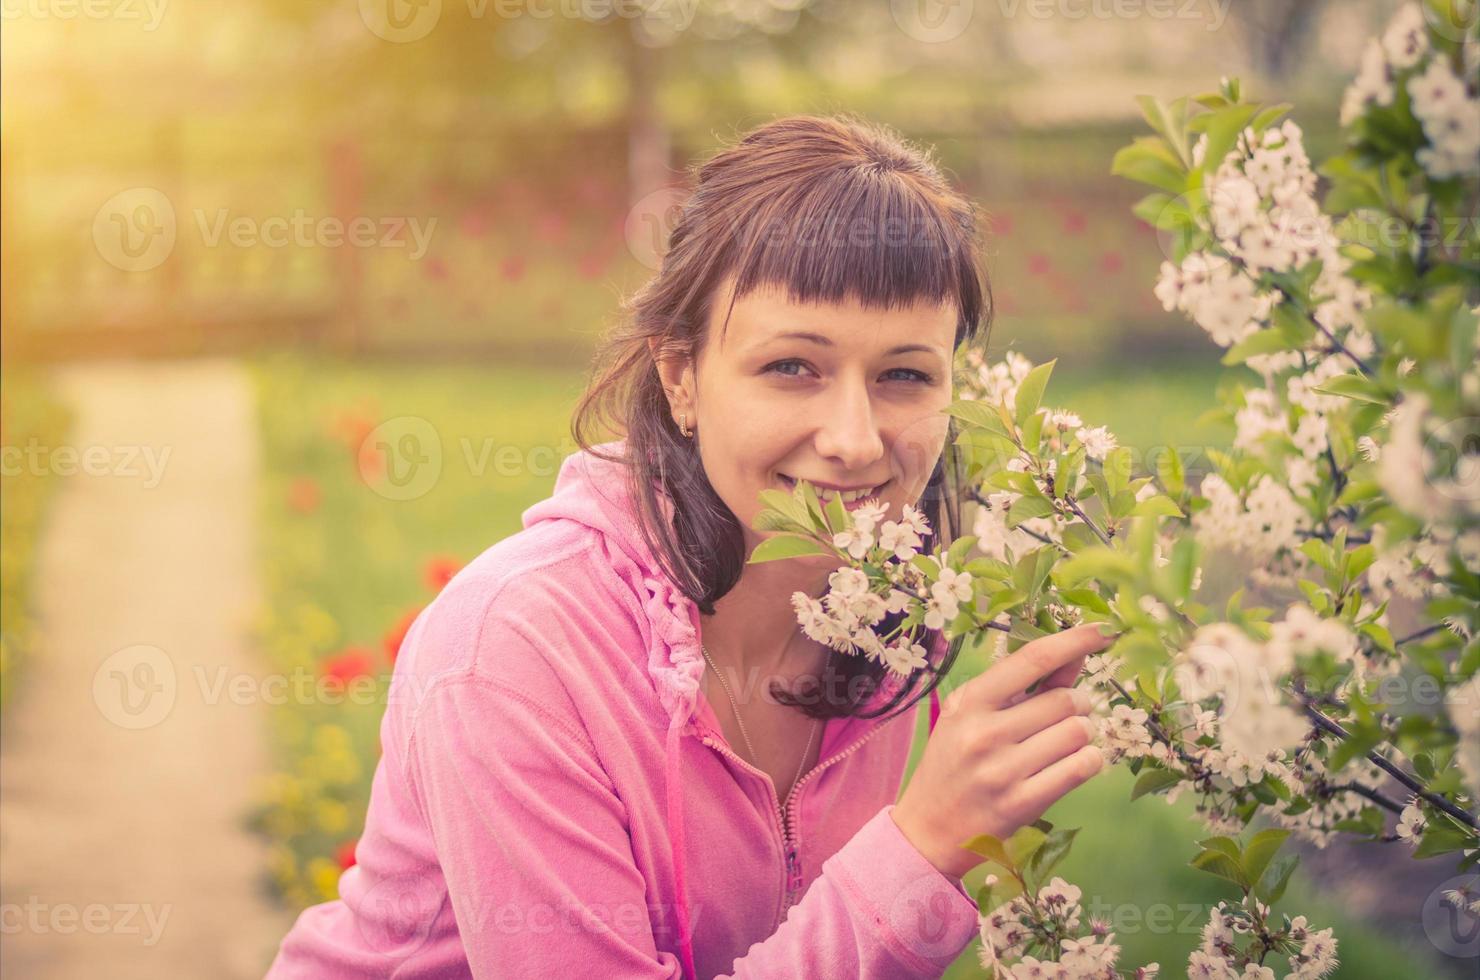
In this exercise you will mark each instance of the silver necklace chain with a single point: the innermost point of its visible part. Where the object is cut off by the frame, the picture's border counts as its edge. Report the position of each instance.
(734, 706)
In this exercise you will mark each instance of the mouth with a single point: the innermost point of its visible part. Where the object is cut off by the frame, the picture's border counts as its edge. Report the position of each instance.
(850, 498)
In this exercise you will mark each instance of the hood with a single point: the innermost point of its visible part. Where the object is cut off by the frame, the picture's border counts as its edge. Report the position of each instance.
(595, 492)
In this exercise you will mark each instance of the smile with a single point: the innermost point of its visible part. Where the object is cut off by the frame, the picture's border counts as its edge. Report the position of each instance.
(827, 493)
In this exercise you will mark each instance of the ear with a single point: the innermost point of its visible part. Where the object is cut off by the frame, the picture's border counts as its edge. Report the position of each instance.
(676, 371)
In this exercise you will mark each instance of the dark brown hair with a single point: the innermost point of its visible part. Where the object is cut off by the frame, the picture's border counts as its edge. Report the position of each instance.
(828, 208)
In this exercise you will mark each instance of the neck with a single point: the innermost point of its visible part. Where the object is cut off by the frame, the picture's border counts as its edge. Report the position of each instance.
(754, 627)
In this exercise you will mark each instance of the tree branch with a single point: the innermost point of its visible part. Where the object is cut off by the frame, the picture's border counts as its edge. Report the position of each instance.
(1332, 727)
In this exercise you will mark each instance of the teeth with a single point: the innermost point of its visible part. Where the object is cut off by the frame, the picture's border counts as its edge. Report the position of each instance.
(847, 496)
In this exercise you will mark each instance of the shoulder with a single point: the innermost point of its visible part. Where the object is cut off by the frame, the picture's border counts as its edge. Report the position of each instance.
(524, 615)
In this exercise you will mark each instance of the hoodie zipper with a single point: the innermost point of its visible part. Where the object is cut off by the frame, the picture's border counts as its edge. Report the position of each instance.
(791, 874)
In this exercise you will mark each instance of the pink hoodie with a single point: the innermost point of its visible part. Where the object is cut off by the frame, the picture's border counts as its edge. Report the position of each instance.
(555, 797)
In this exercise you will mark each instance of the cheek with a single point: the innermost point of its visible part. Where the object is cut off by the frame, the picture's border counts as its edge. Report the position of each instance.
(915, 449)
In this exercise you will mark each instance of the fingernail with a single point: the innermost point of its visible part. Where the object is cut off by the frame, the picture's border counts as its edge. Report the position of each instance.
(1089, 727)
(1082, 701)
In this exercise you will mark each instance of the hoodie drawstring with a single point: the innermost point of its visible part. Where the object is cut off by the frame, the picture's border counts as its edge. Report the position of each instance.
(676, 844)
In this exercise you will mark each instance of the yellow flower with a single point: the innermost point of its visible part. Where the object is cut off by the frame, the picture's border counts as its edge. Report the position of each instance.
(333, 816)
(325, 875)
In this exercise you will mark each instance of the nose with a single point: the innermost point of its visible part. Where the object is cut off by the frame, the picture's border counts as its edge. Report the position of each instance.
(848, 433)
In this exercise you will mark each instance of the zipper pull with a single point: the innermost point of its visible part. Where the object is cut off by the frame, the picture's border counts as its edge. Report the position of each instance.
(793, 873)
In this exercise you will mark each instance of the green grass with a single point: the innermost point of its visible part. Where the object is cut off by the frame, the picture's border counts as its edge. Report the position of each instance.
(29, 415)
(339, 576)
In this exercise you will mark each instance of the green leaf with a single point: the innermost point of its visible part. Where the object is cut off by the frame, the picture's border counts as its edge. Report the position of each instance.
(1443, 840)
(1259, 342)
(1169, 469)
(1380, 635)
(1025, 508)
(782, 546)
(978, 414)
(1170, 120)
(1220, 864)
(809, 497)
(1223, 128)
(1358, 560)
(1272, 888)
(1096, 563)
(1086, 599)
(1148, 161)
(1355, 386)
(773, 520)
(1030, 392)
(1224, 845)
(1261, 850)
(1268, 116)
(1164, 211)
(837, 514)
(1055, 848)
(1154, 781)
(786, 504)
(1024, 843)
(1118, 464)
(1158, 506)
(990, 848)
(959, 549)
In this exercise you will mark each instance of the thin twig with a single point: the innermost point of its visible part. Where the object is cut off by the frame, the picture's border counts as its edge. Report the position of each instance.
(1332, 727)
(1376, 796)
(1426, 631)
(1104, 538)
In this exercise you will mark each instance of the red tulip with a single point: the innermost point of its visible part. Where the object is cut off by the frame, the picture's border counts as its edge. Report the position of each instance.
(303, 495)
(396, 635)
(439, 571)
(345, 666)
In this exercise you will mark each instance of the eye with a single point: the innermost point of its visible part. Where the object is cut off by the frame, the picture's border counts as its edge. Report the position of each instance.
(917, 376)
(775, 368)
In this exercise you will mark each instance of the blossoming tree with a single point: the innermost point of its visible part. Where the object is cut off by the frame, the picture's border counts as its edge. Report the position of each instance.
(1352, 484)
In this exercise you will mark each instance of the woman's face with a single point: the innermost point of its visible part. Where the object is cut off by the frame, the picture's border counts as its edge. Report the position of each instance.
(835, 394)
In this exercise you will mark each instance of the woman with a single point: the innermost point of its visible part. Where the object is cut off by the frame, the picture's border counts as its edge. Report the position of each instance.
(609, 749)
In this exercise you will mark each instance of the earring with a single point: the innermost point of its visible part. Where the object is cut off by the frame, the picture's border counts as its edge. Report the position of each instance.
(683, 424)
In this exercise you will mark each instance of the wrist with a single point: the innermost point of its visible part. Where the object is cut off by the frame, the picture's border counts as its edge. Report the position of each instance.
(952, 862)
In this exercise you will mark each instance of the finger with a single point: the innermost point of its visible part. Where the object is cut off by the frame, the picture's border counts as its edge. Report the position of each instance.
(1039, 751)
(1040, 791)
(1065, 676)
(1039, 711)
(1040, 658)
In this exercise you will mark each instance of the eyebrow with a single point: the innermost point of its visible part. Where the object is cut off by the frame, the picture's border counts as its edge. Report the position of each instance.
(818, 338)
